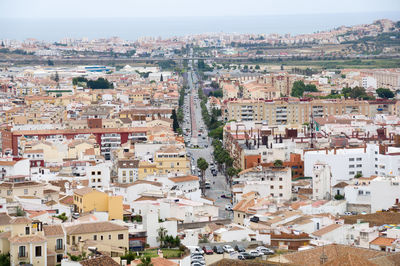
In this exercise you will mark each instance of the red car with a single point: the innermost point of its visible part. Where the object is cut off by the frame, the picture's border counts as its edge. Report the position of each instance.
(208, 250)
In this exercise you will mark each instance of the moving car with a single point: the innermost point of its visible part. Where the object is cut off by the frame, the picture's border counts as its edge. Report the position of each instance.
(228, 249)
(208, 250)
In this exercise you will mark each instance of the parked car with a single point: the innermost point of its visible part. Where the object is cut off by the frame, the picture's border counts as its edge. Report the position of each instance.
(218, 249)
(208, 250)
(264, 250)
(239, 248)
(240, 257)
(247, 256)
(348, 213)
(228, 249)
(255, 253)
(197, 263)
(75, 215)
(228, 207)
(255, 219)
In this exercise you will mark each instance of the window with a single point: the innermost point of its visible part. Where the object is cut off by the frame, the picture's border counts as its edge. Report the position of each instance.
(351, 159)
(280, 178)
(109, 237)
(27, 230)
(95, 237)
(98, 172)
(238, 215)
(9, 192)
(59, 257)
(351, 166)
(123, 173)
(359, 165)
(101, 237)
(272, 194)
(59, 244)
(280, 187)
(25, 191)
(351, 173)
(38, 251)
(280, 195)
(22, 251)
(120, 236)
(93, 172)
(359, 159)
(272, 187)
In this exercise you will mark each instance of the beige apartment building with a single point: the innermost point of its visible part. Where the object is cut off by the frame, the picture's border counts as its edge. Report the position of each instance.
(298, 111)
(106, 236)
(33, 243)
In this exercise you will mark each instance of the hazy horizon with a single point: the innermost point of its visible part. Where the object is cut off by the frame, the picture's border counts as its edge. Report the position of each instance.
(51, 29)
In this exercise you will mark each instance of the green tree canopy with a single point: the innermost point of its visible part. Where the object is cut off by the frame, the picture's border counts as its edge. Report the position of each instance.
(385, 93)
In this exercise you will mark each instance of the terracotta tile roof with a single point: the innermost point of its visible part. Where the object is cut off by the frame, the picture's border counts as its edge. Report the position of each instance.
(67, 200)
(374, 219)
(20, 220)
(311, 257)
(391, 259)
(382, 241)
(157, 262)
(341, 185)
(99, 261)
(7, 163)
(350, 260)
(305, 191)
(138, 182)
(4, 219)
(327, 229)
(27, 239)
(37, 213)
(5, 235)
(143, 198)
(53, 230)
(128, 164)
(83, 191)
(180, 179)
(86, 228)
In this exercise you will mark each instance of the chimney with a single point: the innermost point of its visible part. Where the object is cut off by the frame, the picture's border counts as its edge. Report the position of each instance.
(334, 151)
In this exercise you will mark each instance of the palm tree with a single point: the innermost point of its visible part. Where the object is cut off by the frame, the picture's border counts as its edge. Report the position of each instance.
(162, 232)
(145, 261)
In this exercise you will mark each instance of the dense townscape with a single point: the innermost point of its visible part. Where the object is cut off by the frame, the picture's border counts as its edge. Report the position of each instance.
(212, 149)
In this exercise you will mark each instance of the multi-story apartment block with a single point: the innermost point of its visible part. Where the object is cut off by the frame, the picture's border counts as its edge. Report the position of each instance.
(298, 111)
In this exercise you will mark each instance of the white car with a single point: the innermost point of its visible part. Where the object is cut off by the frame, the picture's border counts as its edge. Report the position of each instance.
(264, 250)
(228, 249)
(255, 253)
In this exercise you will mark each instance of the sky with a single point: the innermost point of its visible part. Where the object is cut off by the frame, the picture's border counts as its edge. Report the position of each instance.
(185, 8)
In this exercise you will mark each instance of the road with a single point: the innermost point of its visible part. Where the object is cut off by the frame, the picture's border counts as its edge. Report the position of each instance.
(193, 120)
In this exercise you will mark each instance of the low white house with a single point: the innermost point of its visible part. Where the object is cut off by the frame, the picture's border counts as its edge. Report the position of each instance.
(373, 194)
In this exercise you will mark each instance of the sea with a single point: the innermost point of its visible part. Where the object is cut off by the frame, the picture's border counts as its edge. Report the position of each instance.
(134, 28)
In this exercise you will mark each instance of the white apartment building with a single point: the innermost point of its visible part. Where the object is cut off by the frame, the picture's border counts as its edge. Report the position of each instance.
(99, 176)
(267, 181)
(369, 82)
(373, 194)
(322, 181)
(127, 171)
(345, 163)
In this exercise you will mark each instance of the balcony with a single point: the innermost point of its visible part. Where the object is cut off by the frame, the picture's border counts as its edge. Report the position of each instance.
(23, 255)
(59, 248)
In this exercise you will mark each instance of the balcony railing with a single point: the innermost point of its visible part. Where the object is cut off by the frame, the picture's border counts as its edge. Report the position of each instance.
(23, 255)
(59, 247)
